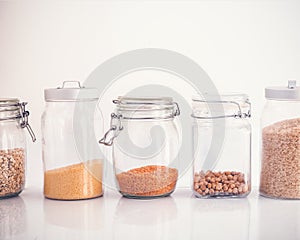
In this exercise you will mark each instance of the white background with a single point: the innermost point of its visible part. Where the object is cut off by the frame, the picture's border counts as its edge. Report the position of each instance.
(244, 46)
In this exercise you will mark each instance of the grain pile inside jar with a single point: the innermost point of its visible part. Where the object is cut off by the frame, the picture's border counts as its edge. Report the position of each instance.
(78, 181)
(280, 170)
(12, 174)
(226, 183)
(151, 180)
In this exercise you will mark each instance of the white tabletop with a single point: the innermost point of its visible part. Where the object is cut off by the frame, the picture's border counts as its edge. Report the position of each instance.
(181, 216)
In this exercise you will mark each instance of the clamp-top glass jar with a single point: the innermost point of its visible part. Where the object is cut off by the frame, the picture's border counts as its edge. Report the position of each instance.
(222, 146)
(145, 141)
(72, 159)
(280, 155)
(13, 118)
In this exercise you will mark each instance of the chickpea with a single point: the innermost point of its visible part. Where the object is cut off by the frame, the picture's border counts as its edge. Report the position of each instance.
(213, 183)
(229, 177)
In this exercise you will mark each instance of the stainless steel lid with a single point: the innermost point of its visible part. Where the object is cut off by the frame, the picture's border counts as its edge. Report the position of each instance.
(290, 92)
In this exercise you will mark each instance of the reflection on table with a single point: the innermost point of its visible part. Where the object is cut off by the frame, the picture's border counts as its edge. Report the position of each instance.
(221, 219)
(278, 219)
(12, 218)
(144, 219)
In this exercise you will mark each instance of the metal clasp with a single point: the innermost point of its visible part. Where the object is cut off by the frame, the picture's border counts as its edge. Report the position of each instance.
(114, 130)
(249, 111)
(292, 84)
(239, 114)
(24, 120)
(177, 109)
(66, 82)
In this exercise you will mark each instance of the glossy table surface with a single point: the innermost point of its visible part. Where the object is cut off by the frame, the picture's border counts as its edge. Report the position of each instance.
(181, 216)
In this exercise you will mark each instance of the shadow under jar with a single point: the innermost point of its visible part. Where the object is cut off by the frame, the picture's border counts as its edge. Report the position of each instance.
(145, 140)
(13, 118)
(222, 146)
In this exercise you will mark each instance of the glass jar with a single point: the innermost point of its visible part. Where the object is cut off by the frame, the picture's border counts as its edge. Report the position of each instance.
(145, 140)
(280, 156)
(13, 119)
(73, 164)
(222, 146)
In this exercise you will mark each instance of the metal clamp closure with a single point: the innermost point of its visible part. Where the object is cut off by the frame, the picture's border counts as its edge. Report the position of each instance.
(19, 113)
(24, 120)
(67, 82)
(177, 109)
(114, 130)
(239, 113)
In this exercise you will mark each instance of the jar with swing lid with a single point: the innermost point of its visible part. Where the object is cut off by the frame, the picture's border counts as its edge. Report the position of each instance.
(13, 120)
(145, 141)
(222, 146)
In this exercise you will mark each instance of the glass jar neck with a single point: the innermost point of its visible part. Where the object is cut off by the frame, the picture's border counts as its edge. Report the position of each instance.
(223, 106)
(10, 109)
(146, 108)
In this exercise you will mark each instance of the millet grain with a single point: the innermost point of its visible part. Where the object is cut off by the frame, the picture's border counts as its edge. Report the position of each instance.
(74, 182)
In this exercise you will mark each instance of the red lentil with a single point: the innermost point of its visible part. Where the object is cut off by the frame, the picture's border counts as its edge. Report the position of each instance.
(148, 181)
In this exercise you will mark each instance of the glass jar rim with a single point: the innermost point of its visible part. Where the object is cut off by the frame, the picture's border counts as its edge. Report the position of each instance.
(146, 107)
(10, 105)
(226, 96)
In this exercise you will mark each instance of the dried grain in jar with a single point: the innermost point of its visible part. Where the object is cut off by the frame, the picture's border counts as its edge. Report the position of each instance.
(151, 180)
(74, 182)
(13, 119)
(280, 170)
(70, 173)
(12, 174)
(280, 142)
(222, 146)
(220, 184)
(145, 141)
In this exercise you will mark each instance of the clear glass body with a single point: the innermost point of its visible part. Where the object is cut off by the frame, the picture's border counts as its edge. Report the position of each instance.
(73, 165)
(280, 156)
(222, 167)
(145, 152)
(12, 155)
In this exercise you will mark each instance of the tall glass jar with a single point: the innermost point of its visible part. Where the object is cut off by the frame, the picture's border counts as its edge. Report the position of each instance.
(73, 165)
(280, 145)
(145, 141)
(222, 146)
(13, 119)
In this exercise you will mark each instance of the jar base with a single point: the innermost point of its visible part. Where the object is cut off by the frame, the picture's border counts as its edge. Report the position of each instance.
(277, 198)
(11, 195)
(221, 196)
(126, 195)
(78, 199)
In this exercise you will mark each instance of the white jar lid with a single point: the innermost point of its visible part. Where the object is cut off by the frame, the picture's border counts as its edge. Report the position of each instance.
(290, 92)
(64, 93)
